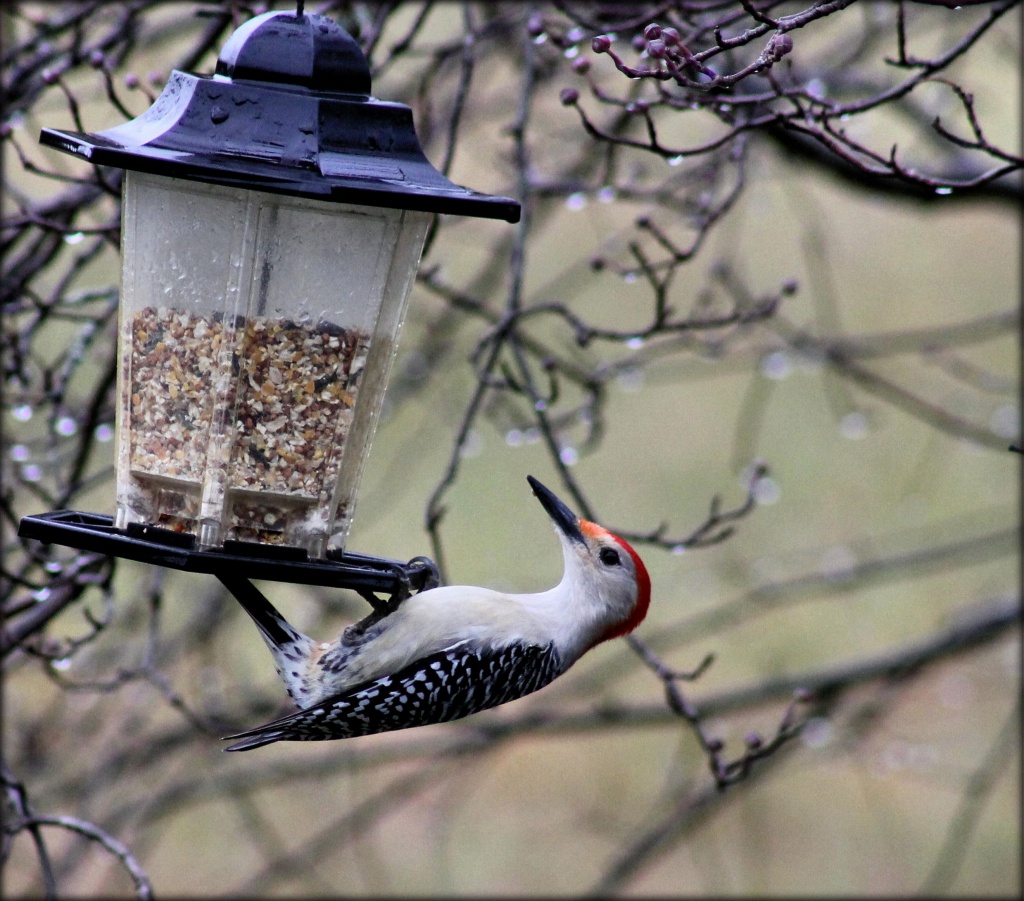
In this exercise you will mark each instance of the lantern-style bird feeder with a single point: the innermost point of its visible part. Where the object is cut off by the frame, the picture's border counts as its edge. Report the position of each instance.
(273, 219)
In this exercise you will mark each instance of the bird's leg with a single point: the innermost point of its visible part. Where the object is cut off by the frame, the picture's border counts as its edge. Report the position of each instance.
(385, 606)
(381, 606)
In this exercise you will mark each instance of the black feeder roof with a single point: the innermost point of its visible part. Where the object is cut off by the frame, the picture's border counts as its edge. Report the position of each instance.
(288, 111)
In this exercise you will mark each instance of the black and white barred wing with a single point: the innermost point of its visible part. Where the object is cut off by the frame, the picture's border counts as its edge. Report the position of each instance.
(450, 684)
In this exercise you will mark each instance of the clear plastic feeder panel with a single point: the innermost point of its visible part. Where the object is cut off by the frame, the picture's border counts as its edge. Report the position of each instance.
(257, 332)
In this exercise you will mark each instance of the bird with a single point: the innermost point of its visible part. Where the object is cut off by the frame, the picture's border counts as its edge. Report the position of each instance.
(454, 650)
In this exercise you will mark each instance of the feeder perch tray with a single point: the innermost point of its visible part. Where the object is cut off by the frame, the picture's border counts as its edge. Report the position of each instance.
(237, 561)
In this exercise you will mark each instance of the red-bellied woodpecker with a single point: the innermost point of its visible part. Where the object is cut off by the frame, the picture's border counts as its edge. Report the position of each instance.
(455, 650)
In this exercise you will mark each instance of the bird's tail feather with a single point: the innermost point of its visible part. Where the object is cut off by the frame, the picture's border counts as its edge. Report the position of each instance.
(253, 741)
(277, 632)
(266, 734)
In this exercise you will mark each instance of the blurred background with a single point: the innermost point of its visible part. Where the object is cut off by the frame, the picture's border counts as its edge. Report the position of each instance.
(761, 316)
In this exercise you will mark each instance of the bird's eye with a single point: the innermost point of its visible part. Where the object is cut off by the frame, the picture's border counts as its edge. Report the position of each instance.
(609, 557)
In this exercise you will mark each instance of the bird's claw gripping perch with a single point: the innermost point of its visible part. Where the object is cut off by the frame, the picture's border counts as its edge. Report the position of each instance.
(387, 606)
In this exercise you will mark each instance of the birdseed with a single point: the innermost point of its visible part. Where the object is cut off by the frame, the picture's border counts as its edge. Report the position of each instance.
(262, 406)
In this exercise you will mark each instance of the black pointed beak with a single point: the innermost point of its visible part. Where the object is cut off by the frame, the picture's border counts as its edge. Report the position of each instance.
(567, 521)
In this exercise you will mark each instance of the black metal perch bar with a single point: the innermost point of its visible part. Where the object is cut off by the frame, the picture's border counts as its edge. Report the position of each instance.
(237, 561)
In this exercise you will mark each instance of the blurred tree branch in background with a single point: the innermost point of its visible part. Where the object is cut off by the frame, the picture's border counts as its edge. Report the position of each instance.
(659, 150)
